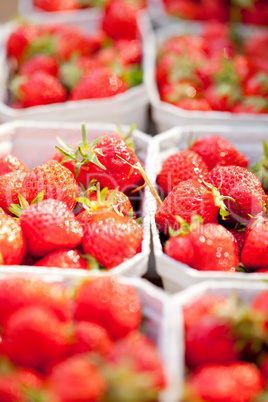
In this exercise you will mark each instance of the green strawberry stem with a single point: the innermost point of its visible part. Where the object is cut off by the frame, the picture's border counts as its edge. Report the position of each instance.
(185, 227)
(16, 209)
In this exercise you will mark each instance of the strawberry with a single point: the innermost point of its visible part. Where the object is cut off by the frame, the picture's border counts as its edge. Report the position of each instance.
(194, 104)
(38, 89)
(228, 383)
(251, 104)
(254, 253)
(120, 20)
(20, 40)
(50, 225)
(111, 238)
(76, 379)
(120, 316)
(256, 14)
(10, 186)
(243, 186)
(130, 51)
(182, 8)
(106, 160)
(10, 163)
(12, 241)
(99, 83)
(179, 167)
(34, 337)
(216, 151)
(240, 236)
(56, 5)
(187, 199)
(223, 97)
(257, 85)
(19, 292)
(64, 259)
(40, 62)
(91, 337)
(55, 180)
(254, 50)
(215, 10)
(210, 247)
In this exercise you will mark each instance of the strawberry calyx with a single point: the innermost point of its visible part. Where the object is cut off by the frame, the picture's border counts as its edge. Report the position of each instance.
(102, 202)
(92, 262)
(16, 209)
(84, 154)
(15, 87)
(260, 169)
(127, 137)
(70, 74)
(185, 227)
(44, 44)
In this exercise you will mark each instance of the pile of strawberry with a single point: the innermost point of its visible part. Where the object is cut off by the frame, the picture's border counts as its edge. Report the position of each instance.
(58, 63)
(249, 11)
(88, 347)
(215, 208)
(226, 349)
(216, 70)
(64, 5)
(72, 211)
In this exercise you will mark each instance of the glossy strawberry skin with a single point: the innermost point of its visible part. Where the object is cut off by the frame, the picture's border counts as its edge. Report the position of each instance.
(19, 292)
(254, 253)
(91, 338)
(10, 163)
(185, 200)
(10, 186)
(34, 337)
(40, 62)
(12, 241)
(120, 20)
(214, 248)
(120, 316)
(63, 259)
(228, 382)
(216, 151)
(111, 238)
(243, 186)
(179, 167)
(48, 226)
(57, 181)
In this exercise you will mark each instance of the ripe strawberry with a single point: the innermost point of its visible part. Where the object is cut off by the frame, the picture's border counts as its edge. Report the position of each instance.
(243, 67)
(240, 236)
(91, 337)
(194, 104)
(48, 226)
(34, 337)
(56, 5)
(209, 339)
(260, 305)
(256, 13)
(243, 186)
(254, 253)
(77, 379)
(57, 181)
(38, 89)
(64, 259)
(19, 292)
(215, 10)
(210, 247)
(20, 40)
(120, 20)
(216, 151)
(223, 97)
(257, 85)
(187, 199)
(10, 186)
(251, 104)
(120, 316)
(40, 62)
(99, 83)
(182, 8)
(254, 46)
(111, 238)
(10, 163)
(228, 383)
(12, 241)
(179, 167)
(138, 356)
(130, 51)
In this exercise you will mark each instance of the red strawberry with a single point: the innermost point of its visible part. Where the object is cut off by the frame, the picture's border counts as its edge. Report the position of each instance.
(216, 151)
(187, 199)
(256, 14)
(254, 46)
(194, 104)
(64, 259)
(130, 51)
(251, 104)
(56, 5)
(10, 186)
(223, 97)
(243, 186)
(228, 383)
(73, 71)
(56, 180)
(10, 163)
(240, 236)
(38, 89)
(20, 39)
(12, 241)
(91, 337)
(120, 316)
(99, 83)
(182, 8)
(77, 379)
(210, 247)
(179, 167)
(257, 85)
(111, 238)
(35, 337)
(48, 226)
(120, 20)
(19, 292)
(40, 62)
(254, 253)
(243, 67)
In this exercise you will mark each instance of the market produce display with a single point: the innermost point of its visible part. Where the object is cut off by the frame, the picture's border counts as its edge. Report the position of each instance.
(214, 217)
(73, 214)
(216, 70)
(62, 348)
